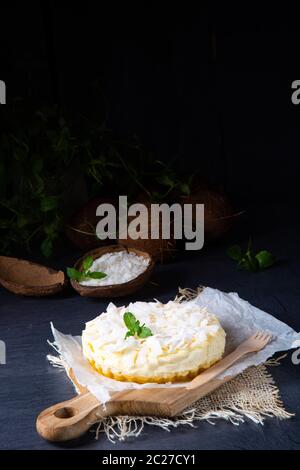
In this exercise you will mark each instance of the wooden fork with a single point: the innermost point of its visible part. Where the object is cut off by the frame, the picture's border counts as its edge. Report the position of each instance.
(253, 344)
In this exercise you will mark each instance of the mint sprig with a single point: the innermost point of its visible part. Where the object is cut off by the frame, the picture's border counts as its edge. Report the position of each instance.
(249, 260)
(85, 274)
(134, 327)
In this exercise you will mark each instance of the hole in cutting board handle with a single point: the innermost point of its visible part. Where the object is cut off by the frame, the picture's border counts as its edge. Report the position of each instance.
(64, 413)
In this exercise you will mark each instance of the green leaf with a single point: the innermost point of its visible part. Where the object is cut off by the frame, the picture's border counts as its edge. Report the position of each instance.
(47, 247)
(145, 332)
(94, 275)
(50, 229)
(244, 264)
(21, 221)
(129, 333)
(250, 261)
(49, 203)
(37, 166)
(165, 180)
(235, 253)
(87, 263)
(185, 188)
(74, 274)
(85, 275)
(130, 321)
(40, 186)
(253, 264)
(134, 326)
(265, 259)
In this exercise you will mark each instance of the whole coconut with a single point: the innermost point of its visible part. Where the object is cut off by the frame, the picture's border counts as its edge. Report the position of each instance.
(81, 228)
(160, 249)
(218, 212)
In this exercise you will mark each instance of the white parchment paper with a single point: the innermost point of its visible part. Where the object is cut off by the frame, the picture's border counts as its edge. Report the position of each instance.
(239, 319)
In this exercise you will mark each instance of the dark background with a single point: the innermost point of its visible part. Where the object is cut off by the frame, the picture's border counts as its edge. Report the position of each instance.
(210, 87)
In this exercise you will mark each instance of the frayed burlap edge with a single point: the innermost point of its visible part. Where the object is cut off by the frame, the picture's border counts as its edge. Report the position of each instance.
(251, 395)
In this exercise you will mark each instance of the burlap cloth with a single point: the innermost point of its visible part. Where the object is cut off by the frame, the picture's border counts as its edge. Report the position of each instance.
(251, 395)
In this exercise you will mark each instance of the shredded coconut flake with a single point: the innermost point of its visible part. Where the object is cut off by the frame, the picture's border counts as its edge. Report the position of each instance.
(119, 267)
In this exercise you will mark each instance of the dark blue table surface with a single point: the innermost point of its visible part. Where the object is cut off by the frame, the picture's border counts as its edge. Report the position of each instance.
(29, 384)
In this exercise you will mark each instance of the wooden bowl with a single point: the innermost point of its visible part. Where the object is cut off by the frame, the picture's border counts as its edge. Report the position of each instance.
(24, 277)
(116, 290)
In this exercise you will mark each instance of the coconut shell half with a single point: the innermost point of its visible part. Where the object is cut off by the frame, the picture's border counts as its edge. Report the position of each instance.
(24, 277)
(116, 290)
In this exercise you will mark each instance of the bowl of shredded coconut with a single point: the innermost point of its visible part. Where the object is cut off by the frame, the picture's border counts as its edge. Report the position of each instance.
(112, 271)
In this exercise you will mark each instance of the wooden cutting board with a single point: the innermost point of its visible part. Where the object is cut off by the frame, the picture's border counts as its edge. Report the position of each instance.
(72, 418)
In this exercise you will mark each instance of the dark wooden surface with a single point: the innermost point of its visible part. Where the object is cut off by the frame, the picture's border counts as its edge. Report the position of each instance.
(29, 384)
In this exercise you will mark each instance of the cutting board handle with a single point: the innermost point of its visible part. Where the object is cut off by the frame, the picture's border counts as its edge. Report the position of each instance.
(70, 419)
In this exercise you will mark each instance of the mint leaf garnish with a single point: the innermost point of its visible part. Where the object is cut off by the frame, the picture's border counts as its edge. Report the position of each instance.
(145, 332)
(87, 263)
(74, 274)
(84, 274)
(134, 327)
(129, 333)
(95, 275)
(129, 320)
